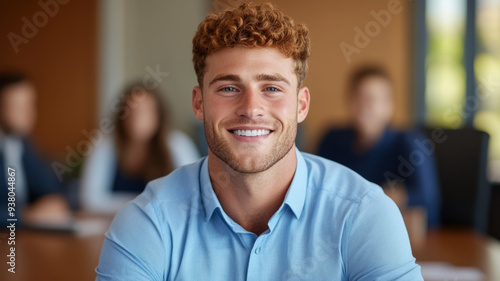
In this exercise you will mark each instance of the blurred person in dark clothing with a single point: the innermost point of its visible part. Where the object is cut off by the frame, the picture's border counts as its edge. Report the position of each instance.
(38, 196)
(381, 154)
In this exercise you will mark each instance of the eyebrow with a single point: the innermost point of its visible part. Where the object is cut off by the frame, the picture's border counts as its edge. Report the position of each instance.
(260, 77)
(272, 77)
(225, 77)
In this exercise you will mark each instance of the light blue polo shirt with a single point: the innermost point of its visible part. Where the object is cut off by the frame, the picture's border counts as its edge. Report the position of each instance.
(332, 225)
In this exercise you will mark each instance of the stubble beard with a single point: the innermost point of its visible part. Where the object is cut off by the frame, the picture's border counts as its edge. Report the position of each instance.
(222, 149)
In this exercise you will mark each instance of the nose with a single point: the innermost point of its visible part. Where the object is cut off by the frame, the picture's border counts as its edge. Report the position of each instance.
(250, 104)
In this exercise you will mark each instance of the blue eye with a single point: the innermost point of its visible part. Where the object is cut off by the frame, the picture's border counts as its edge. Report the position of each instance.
(271, 89)
(228, 89)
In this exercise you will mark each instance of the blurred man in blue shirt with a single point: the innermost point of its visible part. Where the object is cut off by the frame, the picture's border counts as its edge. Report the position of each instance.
(399, 161)
(256, 208)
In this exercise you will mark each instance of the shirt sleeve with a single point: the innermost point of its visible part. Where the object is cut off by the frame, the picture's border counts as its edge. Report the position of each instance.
(182, 149)
(378, 246)
(96, 184)
(135, 248)
(423, 184)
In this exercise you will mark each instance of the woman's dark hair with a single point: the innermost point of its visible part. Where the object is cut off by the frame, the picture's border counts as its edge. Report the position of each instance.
(362, 73)
(158, 161)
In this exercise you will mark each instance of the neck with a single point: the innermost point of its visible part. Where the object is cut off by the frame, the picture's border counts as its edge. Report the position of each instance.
(252, 199)
(137, 142)
(367, 139)
(134, 156)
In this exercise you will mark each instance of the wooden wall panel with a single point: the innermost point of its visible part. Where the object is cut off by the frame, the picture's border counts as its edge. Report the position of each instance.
(60, 57)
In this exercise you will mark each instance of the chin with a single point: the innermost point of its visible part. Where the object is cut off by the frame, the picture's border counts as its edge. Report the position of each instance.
(246, 161)
(252, 165)
(253, 168)
(250, 158)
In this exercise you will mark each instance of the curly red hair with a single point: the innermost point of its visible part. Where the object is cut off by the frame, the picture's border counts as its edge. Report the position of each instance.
(251, 26)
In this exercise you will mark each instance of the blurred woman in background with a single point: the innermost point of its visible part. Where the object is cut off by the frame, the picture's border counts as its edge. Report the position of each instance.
(144, 147)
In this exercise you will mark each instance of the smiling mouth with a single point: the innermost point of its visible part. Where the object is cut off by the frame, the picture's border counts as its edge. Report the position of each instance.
(251, 133)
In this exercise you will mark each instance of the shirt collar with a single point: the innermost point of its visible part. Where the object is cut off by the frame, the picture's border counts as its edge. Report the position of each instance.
(294, 198)
(296, 194)
(208, 197)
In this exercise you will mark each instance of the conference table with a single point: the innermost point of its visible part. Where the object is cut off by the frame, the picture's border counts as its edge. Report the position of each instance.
(42, 255)
(462, 248)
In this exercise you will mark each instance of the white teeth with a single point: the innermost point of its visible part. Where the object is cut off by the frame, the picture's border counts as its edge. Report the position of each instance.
(251, 133)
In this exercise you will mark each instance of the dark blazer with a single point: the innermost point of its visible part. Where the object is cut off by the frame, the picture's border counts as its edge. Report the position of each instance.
(40, 179)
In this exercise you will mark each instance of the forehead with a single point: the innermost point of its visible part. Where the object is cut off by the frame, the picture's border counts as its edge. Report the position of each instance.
(248, 62)
(18, 91)
(374, 84)
(374, 79)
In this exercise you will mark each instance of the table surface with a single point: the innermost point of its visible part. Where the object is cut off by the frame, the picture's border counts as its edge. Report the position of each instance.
(63, 256)
(462, 247)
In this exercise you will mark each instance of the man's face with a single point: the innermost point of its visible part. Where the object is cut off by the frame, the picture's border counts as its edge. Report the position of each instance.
(18, 110)
(250, 107)
(372, 104)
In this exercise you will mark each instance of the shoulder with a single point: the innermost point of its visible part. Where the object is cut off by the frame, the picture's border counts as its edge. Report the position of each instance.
(172, 194)
(408, 136)
(104, 147)
(177, 183)
(337, 180)
(176, 136)
(409, 140)
(102, 155)
(176, 139)
(27, 148)
(334, 141)
(163, 206)
(338, 133)
(182, 148)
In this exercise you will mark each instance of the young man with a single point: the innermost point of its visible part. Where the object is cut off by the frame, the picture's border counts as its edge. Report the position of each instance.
(256, 208)
(370, 138)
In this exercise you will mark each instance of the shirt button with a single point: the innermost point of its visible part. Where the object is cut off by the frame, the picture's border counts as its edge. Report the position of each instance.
(257, 251)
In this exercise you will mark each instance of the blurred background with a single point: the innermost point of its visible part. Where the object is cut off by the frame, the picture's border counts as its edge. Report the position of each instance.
(443, 58)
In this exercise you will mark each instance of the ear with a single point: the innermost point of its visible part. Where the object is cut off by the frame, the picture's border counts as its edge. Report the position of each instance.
(304, 100)
(197, 102)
